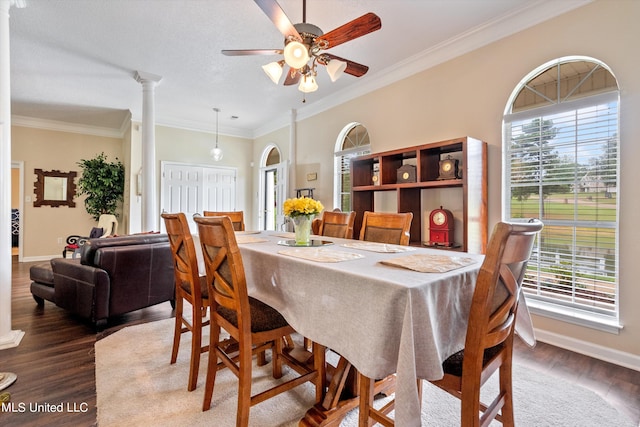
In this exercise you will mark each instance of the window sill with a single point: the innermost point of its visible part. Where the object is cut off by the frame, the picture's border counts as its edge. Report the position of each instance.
(576, 317)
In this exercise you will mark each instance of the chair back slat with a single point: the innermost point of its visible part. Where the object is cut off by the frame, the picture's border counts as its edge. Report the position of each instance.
(183, 251)
(383, 227)
(337, 224)
(495, 300)
(237, 218)
(226, 279)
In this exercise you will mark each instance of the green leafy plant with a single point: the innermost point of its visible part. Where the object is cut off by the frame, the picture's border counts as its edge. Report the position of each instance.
(103, 183)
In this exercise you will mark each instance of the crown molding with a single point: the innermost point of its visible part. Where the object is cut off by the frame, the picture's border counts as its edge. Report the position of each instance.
(197, 126)
(54, 125)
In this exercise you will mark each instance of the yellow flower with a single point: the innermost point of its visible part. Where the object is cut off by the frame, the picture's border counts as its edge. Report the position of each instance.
(302, 206)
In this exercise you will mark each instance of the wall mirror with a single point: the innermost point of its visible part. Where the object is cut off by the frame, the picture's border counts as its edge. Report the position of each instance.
(54, 188)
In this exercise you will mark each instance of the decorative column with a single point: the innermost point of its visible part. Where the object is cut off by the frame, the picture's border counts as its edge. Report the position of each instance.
(8, 337)
(292, 153)
(150, 215)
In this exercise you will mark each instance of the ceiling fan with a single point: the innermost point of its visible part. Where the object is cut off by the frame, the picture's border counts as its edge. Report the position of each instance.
(305, 45)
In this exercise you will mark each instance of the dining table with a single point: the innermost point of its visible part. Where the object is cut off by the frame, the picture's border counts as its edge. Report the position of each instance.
(388, 311)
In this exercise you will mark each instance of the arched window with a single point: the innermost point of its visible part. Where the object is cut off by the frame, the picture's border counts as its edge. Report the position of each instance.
(272, 156)
(353, 141)
(561, 152)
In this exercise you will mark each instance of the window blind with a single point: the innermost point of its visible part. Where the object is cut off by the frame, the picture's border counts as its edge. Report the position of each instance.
(561, 166)
(344, 172)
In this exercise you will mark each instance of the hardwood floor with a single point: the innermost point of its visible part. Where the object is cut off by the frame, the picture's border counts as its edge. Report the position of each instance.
(55, 363)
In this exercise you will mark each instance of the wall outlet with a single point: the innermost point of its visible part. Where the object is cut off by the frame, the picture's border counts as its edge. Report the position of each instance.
(59, 240)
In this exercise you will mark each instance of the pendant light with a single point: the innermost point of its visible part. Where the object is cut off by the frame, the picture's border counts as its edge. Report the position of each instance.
(216, 153)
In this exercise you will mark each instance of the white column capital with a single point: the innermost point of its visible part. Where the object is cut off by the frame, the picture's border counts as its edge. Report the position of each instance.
(144, 77)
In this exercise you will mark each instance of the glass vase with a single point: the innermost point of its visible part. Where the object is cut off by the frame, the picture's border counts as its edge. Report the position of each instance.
(302, 226)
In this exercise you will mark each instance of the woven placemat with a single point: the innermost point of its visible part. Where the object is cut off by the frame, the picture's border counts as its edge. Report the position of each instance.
(426, 263)
(243, 238)
(320, 254)
(378, 247)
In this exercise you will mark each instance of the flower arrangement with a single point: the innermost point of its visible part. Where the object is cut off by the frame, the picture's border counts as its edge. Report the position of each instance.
(302, 206)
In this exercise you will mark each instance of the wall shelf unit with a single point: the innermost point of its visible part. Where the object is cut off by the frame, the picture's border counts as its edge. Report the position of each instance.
(374, 175)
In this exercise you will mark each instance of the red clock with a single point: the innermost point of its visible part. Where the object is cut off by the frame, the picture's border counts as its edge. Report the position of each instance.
(441, 227)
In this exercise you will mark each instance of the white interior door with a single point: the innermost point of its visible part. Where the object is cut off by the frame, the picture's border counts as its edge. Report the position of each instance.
(195, 188)
(219, 190)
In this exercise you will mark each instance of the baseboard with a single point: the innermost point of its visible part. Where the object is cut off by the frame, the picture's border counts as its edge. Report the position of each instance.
(39, 258)
(617, 357)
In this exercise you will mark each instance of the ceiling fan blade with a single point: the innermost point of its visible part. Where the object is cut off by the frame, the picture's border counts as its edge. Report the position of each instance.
(293, 77)
(275, 13)
(353, 68)
(244, 52)
(359, 27)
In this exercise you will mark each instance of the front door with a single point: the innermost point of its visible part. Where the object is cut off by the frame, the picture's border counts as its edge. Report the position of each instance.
(273, 192)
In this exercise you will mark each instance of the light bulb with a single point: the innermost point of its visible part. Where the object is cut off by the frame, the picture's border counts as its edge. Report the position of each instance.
(216, 154)
(335, 68)
(308, 84)
(273, 70)
(296, 55)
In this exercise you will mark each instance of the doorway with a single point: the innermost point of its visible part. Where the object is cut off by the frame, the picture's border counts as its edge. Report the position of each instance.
(17, 209)
(193, 189)
(272, 190)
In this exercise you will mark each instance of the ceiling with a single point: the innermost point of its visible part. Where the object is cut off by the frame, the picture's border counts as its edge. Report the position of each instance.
(74, 61)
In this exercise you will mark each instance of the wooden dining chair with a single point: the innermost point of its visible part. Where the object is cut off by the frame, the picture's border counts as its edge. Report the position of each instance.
(237, 218)
(384, 227)
(190, 287)
(253, 324)
(337, 224)
(490, 331)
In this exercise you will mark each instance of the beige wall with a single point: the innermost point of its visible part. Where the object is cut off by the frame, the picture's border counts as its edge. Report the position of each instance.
(46, 228)
(468, 95)
(15, 188)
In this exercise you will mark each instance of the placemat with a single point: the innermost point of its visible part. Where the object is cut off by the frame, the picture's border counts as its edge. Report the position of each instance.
(426, 263)
(241, 232)
(243, 238)
(320, 254)
(378, 247)
(285, 234)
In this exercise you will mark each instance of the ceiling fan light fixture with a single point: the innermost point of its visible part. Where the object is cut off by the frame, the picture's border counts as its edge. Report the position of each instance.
(308, 84)
(274, 70)
(296, 54)
(335, 68)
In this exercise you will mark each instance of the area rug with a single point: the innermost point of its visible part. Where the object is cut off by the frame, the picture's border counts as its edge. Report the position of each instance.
(136, 385)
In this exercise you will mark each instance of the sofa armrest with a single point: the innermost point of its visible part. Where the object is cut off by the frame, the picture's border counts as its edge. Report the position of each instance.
(81, 289)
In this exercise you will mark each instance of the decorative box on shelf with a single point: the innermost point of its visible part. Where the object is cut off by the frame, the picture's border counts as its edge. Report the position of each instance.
(449, 168)
(375, 178)
(406, 173)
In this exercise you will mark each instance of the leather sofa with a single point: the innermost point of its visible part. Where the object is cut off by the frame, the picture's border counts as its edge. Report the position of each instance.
(113, 276)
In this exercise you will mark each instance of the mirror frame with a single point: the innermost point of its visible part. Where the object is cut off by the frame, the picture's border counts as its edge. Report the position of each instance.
(39, 188)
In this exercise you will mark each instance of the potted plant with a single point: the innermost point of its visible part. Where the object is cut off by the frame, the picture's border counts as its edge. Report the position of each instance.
(103, 183)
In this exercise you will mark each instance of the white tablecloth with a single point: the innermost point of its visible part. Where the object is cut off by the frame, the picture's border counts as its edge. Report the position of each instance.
(383, 319)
